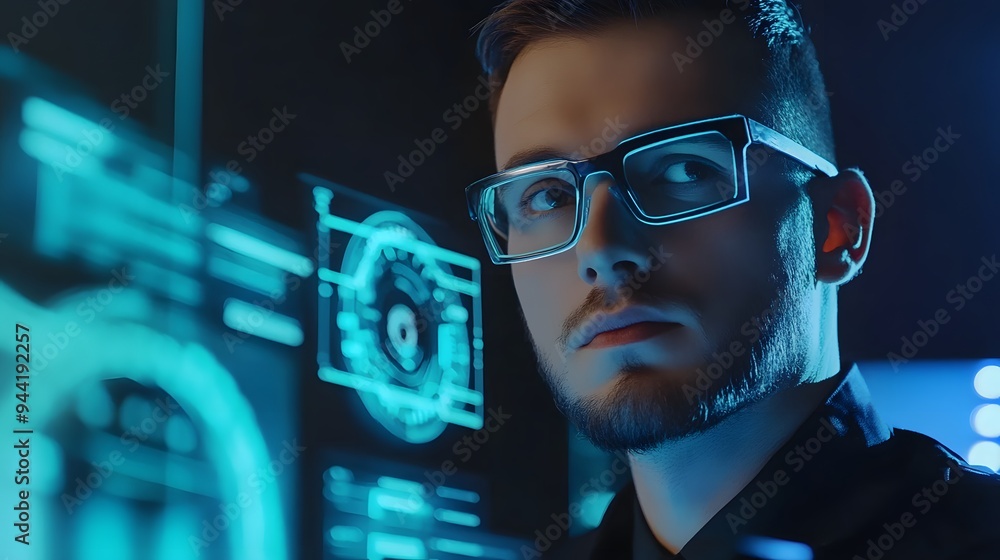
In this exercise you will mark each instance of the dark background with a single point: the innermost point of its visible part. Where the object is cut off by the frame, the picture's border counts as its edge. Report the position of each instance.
(889, 98)
(353, 120)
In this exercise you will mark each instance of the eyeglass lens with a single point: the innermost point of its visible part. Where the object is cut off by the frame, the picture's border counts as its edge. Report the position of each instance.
(538, 211)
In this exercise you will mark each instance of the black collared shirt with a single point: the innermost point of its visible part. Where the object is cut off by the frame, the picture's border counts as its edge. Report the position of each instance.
(845, 486)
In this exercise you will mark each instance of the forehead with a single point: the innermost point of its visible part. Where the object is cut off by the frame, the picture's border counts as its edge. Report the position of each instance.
(564, 93)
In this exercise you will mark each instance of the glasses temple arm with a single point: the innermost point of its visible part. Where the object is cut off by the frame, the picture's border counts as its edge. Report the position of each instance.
(782, 143)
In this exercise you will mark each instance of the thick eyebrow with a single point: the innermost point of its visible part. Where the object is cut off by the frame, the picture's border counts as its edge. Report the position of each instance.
(533, 155)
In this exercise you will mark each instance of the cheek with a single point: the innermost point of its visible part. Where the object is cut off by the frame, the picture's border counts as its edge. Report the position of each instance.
(529, 290)
(720, 244)
(538, 289)
(729, 258)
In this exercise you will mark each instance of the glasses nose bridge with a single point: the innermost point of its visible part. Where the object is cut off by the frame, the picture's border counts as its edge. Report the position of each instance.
(591, 180)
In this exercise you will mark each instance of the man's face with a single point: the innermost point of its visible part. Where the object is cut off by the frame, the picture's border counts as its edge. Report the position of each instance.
(737, 284)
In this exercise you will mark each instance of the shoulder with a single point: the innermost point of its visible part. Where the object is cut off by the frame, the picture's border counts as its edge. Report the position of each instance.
(952, 500)
(924, 454)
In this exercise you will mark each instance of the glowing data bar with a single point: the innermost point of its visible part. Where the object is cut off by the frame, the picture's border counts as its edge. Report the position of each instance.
(462, 548)
(457, 517)
(458, 494)
(255, 248)
(339, 278)
(345, 534)
(246, 278)
(258, 321)
(386, 545)
(381, 501)
(53, 119)
(400, 485)
(461, 418)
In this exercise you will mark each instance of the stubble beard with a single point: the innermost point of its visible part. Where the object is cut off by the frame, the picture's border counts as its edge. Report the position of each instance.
(631, 417)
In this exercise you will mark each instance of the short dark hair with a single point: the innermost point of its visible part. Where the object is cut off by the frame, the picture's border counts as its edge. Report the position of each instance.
(795, 101)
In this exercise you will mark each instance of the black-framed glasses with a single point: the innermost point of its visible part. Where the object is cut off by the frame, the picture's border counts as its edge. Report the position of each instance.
(664, 176)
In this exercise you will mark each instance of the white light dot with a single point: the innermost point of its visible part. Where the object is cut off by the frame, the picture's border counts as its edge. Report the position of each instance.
(986, 454)
(986, 420)
(987, 382)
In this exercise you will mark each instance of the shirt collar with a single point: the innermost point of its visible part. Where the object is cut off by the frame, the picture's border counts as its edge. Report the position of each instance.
(844, 425)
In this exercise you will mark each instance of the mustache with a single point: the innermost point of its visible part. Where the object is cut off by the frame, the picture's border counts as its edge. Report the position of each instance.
(602, 300)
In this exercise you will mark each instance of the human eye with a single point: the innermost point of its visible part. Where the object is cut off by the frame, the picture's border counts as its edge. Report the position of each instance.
(688, 178)
(546, 197)
(689, 171)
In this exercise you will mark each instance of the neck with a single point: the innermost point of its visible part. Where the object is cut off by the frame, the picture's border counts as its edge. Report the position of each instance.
(682, 484)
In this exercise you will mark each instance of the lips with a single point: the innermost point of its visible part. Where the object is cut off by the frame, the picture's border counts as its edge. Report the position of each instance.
(627, 324)
(632, 333)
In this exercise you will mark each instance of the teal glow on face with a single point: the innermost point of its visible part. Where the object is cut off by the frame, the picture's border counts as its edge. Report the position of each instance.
(401, 323)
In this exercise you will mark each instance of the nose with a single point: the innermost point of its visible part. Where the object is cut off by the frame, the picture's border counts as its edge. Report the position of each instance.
(612, 246)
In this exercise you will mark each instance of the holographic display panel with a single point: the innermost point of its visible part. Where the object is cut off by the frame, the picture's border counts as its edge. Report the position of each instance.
(399, 319)
(155, 434)
(371, 514)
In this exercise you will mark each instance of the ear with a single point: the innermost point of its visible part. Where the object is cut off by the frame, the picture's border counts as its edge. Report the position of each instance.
(844, 214)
